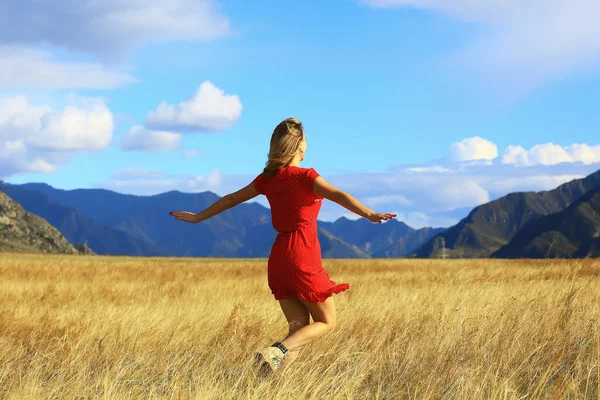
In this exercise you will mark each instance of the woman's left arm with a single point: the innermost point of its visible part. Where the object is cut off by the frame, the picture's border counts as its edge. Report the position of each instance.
(224, 203)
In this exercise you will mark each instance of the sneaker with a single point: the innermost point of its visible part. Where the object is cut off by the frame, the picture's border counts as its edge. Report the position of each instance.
(269, 359)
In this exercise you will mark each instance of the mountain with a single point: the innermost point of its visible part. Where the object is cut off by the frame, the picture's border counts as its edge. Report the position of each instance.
(334, 247)
(26, 232)
(147, 218)
(220, 236)
(492, 225)
(99, 215)
(571, 233)
(391, 239)
(79, 228)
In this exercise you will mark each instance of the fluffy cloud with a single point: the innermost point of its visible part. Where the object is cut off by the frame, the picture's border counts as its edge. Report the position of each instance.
(15, 158)
(584, 153)
(109, 28)
(209, 110)
(143, 139)
(27, 68)
(550, 154)
(474, 148)
(521, 42)
(38, 138)
(87, 126)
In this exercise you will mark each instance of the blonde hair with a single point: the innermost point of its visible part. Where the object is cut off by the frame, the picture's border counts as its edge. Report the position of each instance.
(285, 142)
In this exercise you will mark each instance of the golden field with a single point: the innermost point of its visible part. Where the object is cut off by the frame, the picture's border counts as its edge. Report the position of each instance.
(125, 327)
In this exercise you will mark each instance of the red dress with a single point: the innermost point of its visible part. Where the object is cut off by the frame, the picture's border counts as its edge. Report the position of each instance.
(295, 267)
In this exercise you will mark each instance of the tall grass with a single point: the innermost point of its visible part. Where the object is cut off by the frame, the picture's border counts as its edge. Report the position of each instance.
(120, 328)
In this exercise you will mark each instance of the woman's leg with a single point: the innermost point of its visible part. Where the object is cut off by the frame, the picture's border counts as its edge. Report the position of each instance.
(323, 315)
(298, 317)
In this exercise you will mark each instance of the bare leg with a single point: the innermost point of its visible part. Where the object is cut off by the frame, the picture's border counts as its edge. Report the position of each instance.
(324, 321)
(298, 317)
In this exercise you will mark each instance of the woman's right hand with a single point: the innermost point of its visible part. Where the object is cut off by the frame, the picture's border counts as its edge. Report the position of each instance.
(378, 217)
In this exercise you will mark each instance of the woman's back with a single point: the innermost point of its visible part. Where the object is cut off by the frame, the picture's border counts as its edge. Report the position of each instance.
(291, 197)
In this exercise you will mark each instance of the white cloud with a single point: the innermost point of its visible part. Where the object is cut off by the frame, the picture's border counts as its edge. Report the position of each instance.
(209, 110)
(190, 154)
(15, 158)
(516, 155)
(109, 28)
(474, 148)
(38, 138)
(550, 154)
(87, 126)
(143, 139)
(584, 153)
(521, 43)
(27, 68)
(211, 180)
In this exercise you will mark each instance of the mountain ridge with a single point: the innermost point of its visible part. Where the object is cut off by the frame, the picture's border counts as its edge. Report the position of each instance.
(490, 226)
(571, 233)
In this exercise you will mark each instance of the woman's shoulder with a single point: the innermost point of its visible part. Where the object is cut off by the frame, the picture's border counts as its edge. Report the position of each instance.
(306, 169)
(291, 170)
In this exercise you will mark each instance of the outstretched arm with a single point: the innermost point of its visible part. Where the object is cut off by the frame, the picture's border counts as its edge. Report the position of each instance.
(224, 203)
(330, 192)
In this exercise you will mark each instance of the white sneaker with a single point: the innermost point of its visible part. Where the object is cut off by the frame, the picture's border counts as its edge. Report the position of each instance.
(269, 359)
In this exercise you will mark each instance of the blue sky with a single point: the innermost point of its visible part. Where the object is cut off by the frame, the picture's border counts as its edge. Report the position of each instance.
(425, 108)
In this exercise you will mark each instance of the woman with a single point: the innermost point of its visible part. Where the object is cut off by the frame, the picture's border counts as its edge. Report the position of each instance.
(295, 273)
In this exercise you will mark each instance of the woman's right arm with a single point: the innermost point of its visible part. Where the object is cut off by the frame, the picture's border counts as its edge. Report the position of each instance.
(330, 192)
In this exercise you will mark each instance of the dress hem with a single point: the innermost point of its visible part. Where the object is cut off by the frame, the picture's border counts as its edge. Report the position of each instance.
(313, 297)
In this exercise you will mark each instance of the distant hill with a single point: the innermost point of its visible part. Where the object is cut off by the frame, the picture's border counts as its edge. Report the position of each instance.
(492, 225)
(79, 228)
(23, 231)
(573, 232)
(114, 223)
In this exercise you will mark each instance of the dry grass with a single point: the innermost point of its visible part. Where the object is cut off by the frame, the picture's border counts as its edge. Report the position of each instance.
(120, 328)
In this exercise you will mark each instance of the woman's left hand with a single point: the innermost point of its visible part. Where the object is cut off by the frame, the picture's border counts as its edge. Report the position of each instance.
(185, 216)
